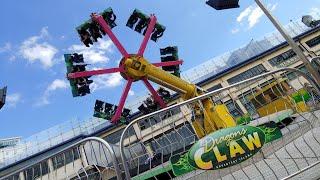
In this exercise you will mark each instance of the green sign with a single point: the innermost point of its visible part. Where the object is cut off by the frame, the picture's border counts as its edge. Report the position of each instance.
(223, 148)
(180, 164)
(271, 130)
(226, 147)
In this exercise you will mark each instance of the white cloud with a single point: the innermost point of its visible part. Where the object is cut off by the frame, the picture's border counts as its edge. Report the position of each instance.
(106, 81)
(8, 49)
(57, 84)
(36, 49)
(254, 16)
(257, 13)
(244, 13)
(274, 7)
(13, 99)
(131, 93)
(96, 53)
(5, 48)
(12, 58)
(315, 12)
(251, 15)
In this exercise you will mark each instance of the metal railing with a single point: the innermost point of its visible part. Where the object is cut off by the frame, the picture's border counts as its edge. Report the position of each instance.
(247, 51)
(148, 142)
(167, 132)
(89, 158)
(48, 138)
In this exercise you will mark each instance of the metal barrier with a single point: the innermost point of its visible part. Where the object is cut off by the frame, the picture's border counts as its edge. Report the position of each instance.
(90, 158)
(286, 96)
(49, 138)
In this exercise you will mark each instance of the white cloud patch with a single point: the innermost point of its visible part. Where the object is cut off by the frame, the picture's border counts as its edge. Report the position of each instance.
(131, 93)
(13, 99)
(5, 48)
(106, 81)
(252, 15)
(96, 53)
(12, 58)
(315, 12)
(57, 84)
(274, 7)
(244, 13)
(36, 49)
(8, 49)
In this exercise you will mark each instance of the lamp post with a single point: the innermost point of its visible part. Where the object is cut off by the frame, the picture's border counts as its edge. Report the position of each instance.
(226, 4)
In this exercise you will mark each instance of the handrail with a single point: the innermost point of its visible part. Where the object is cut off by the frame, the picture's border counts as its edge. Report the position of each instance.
(207, 95)
(301, 171)
(49, 138)
(97, 139)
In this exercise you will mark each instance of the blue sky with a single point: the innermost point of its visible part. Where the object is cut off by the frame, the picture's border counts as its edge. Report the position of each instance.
(35, 34)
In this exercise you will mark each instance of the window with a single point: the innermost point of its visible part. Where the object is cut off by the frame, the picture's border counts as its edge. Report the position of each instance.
(167, 143)
(65, 158)
(218, 86)
(269, 95)
(36, 171)
(13, 177)
(163, 146)
(58, 161)
(146, 123)
(313, 42)
(44, 168)
(257, 70)
(316, 64)
(304, 69)
(280, 59)
(290, 75)
(71, 155)
(259, 101)
(244, 99)
(158, 118)
(114, 138)
(234, 109)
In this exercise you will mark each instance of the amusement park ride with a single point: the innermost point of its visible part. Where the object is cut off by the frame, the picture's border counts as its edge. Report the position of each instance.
(136, 67)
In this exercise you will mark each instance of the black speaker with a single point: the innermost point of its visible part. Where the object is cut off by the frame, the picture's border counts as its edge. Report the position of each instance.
(223, 4)
(3, 93)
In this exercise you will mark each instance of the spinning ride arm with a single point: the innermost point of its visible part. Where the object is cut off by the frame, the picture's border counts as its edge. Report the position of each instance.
(207, 119)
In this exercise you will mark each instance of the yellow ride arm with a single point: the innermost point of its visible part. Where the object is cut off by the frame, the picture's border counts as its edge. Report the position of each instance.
(207, 119)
